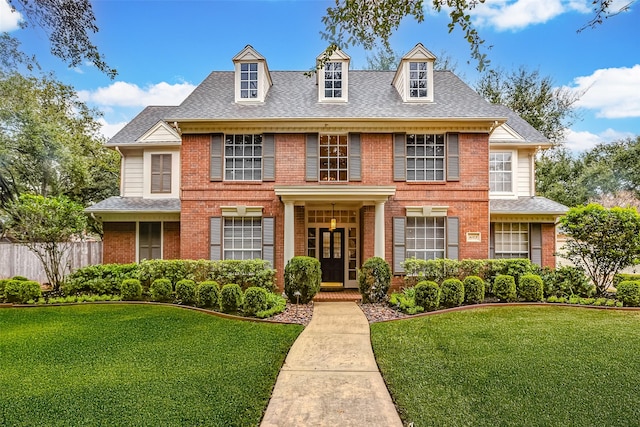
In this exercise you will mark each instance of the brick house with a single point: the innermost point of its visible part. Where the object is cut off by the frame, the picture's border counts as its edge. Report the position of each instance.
(342, 166)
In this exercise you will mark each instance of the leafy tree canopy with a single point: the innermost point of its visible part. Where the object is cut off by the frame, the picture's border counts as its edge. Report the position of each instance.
(602, 241)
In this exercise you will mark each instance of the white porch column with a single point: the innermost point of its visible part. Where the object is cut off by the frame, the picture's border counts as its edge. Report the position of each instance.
(378, 243)
(289, 232)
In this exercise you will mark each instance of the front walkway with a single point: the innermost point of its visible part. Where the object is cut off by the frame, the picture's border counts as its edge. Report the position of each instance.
(330, 377)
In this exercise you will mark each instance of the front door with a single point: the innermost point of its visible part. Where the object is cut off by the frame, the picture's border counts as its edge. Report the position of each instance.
(332, 255)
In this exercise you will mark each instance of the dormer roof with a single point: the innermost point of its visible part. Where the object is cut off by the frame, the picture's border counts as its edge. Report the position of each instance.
(252, 76)
(332, 77)
(411, 75)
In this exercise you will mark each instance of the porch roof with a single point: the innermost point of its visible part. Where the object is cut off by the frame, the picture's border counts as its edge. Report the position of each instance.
(527, 206)
(117, 204)
(300, 194)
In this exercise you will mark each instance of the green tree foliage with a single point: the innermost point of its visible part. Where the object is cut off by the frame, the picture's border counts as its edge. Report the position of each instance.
(49, 143)
(602, 241)
(69, 25)
(547, 108)
(47, 225)
(559, 177)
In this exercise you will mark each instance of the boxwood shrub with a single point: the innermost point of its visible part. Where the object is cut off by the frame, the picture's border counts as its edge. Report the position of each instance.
(255, 300)
(161, 290)
(21, 291)
(530, 288)
(275, 304)
(99, 279)
(504, 288)
(186, 291)
(208, 294)
(451, 293)
(628, 292)
(3, 284)
(131, 290)
(302, 277)
(427, 295)
(231, 298)
(473, 290)
(374, 280)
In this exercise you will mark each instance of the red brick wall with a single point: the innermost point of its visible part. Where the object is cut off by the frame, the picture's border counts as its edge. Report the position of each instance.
(119, 242)
(171, 240)
(548, 245)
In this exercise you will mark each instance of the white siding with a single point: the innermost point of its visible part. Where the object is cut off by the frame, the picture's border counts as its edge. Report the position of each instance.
(133, 174)
(523, 175)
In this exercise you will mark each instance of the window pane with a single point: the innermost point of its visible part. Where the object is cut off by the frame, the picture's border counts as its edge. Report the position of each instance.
(425, 157)
(243, 157)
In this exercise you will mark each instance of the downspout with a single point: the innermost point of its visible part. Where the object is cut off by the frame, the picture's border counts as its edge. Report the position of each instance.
(121, 171)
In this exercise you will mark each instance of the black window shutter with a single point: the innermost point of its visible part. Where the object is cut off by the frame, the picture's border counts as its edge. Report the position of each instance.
(453, 157)
(216, 164)
(399, 253)
(399, 157)
(216, 238)
(312, 157)
(453, 237)
(268, 157)
(536, 243)
(355, 163)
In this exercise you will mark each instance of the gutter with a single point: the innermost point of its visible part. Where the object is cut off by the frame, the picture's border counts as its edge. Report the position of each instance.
(121, 171)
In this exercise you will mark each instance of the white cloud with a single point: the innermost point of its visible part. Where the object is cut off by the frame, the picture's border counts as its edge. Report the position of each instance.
(583, 141)
(9, 21)
(612, 92)
(123, 94)
(515, 15)
(110, 129)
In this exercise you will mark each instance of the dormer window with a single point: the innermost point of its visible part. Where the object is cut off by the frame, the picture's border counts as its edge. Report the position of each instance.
(252, 78)
(333, 78)
(418, 79)
(249, 80)
(414, 77)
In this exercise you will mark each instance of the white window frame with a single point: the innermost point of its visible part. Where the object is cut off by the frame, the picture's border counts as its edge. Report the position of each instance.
(252, 93)
(175, 175)
(242, 235)
(419, 244)
(344, 81)
(514, 163)
(420, 155)
(428, 80)
(507, 240)
(231, 172)
(341, 166)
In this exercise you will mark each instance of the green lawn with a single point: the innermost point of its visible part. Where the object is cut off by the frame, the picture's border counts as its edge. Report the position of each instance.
(516, 366)
(136, 365)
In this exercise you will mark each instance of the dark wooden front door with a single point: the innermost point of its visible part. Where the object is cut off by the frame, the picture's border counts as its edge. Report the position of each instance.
(332, 255)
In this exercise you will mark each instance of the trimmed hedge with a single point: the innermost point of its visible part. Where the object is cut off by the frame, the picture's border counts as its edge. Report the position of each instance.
(231, 298)
(21, 291)
(530, 288)
(99, 279)
(302, 278)
(504, 288)
(186, 291)
(473, 290)
(208, 295)
(131, 290)
(255, 300)
(451, 293)
(374, 280)
(427, 295)
(566, 281)
(161, 290)
(628, 292)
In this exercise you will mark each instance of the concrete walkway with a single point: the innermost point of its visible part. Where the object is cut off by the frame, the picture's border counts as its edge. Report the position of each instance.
(330, 377)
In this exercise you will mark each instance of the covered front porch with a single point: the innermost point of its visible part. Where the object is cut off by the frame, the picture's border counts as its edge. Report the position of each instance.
(329, 218)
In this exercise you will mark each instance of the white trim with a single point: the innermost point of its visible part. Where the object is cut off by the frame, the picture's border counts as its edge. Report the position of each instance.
(337, 57)
(175, 175)
(241, 211)
(426, 211)
(160, 133)
(514, 175)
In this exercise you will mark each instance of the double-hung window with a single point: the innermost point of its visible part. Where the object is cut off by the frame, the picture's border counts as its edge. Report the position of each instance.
(511, 240)
(160, 173)
(334, 158)
(501, 172)
(425, 157)
(249, 80)
(425, 237)
(418, 82)
(242, 238)
(243, 157)
(333, 80)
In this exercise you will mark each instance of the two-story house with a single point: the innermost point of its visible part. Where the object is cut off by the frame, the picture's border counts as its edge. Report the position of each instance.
(341, 167)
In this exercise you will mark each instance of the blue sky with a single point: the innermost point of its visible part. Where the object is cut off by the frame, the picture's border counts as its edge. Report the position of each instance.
(162, 49)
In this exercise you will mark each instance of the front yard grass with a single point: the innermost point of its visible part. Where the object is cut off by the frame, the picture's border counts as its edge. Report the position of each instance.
(524, 366)
(136, 365)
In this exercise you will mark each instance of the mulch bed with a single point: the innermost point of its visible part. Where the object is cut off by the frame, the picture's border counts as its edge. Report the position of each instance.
(302, 313)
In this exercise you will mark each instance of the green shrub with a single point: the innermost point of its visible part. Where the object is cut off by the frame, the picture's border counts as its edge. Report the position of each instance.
(427, 295)
(208, 295)
(302, 277)
(3, 284)
(275, 304)
(628, 292)
(186, 291)
(587, 301)
(161, 290)
(600, 302)
(473, 289)
(530, 288)
(435, 270)
(131, 290)
(99, 279)
(566, 281)
(625, 277)
(611, 303)
(405, 301)
(552, 299)
(22, 291)
(20, 278)
(574, 299)
(504, 288)
(451, 293)
(374, 279)
(231, 298)
(255, 300)
(246, 273)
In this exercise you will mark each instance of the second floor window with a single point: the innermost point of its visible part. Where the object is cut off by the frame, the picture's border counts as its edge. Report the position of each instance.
(243, 158)
(249, 80)
(333, 80)
(161, 173)
(333, 158)
(425, 158)
(500, 172)
(418, 79)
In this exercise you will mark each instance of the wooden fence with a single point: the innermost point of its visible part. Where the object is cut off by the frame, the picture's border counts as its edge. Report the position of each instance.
(18, 260)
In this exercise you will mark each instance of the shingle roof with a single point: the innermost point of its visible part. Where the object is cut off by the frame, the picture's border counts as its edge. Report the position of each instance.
(527, 205)
(520, 125)
(140, 124)
(135, 204)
